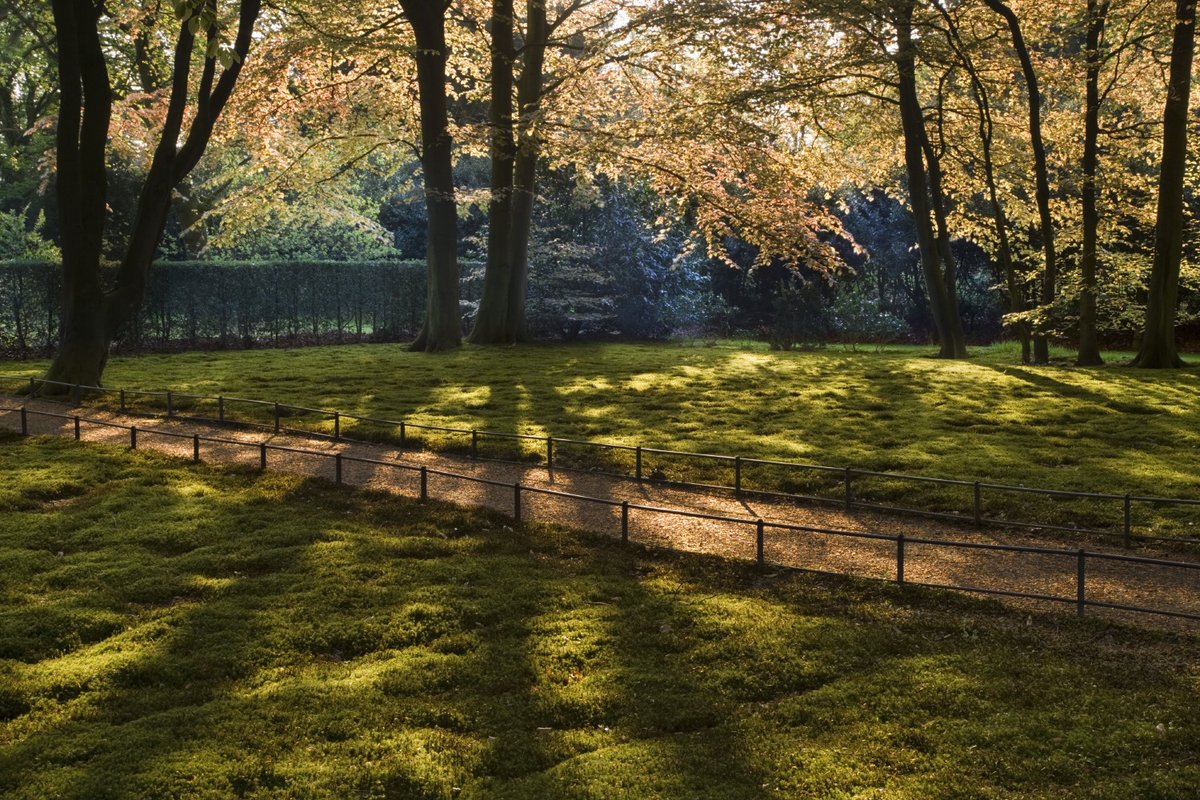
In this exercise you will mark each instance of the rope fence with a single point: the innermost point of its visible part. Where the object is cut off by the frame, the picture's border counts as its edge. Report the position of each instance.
(1075, 561)
(976, 503)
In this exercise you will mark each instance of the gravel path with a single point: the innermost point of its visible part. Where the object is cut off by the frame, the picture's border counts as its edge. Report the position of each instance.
(1162, 587)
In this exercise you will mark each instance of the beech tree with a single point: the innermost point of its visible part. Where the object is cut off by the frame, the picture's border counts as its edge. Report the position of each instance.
(1158, 348)
(92, 314)
(442, 329)
(501, 316)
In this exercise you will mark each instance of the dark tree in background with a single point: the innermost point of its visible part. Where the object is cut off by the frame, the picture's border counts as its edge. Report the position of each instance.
(91, 313)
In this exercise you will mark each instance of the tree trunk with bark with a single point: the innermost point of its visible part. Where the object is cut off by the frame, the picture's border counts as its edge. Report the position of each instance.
(1158, 350)
(529, 98)
(93, 315)
(442, 328)
(491, 322)
(1089, 342)
(1041, 173)
(1000, 224)
(948, 326)
(501, 317)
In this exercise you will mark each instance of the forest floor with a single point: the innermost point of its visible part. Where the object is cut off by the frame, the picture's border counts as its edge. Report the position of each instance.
(212, 631)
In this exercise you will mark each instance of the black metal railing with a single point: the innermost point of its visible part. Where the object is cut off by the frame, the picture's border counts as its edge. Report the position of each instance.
(973, 502)
(1075, 560)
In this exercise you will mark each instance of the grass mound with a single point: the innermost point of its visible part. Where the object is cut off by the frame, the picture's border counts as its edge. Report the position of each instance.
(168, 629)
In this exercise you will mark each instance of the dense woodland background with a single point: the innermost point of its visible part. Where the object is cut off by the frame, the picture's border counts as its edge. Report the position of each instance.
(704, 169)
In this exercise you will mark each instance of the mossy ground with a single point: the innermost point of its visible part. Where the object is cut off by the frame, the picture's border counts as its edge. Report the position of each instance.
(179, 630)
(1113, 429)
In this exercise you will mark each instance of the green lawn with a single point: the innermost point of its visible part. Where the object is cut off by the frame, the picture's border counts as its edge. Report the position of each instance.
(1112, 429)
(176, 630)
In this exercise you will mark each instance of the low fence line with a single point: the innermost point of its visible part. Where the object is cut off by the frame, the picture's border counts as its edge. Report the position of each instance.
(845, 476)
(1078, 558)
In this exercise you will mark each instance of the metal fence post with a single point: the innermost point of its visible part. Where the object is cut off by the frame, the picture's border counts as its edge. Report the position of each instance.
(337, 467)
(77, 395)
(24, 422)
(221, 408)
(759, 533)
(195, 447)
(262, 456)
(402, 433)
(337, 426)
(900, 558)
(133, 437)
(77, 427)
(1080, 577)
(549, 452)
(424, 483)
(849, 489)
(624, 522)
(170, 405)
(978, 505)
(474, 443)
(638, 458)
(32, 389)
(1128, 520)
(517, 502)
(737, 474)
(277, 417)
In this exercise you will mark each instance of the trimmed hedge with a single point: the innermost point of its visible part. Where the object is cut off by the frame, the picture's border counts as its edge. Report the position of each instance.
(236, 304)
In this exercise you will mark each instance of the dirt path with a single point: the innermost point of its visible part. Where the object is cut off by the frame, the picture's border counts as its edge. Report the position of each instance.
(1162, 587)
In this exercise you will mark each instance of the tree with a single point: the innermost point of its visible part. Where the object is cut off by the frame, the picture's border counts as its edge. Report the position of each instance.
(92, 315)
(1041, 175)
(925, 194)
(1158, 349)
(442, 329)
(1089, 344)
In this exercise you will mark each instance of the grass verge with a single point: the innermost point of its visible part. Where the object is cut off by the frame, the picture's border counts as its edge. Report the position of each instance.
(168, 629)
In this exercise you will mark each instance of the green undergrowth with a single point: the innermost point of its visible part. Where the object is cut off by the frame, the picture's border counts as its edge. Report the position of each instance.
(1112, 430)
(179, 630)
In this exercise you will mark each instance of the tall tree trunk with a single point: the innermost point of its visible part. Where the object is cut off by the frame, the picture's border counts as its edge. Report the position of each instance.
(491, 322)
(1041, 174)
(1158, 350)
(945, 253)
(442, 329)
(92, 316)
(85, 107)
(529, 97)
(913, 124)
(1000, 224)
(1089, 344)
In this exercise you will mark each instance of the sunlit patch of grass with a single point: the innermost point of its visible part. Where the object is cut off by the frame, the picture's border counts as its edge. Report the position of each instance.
(1112, 429)
(301, 639)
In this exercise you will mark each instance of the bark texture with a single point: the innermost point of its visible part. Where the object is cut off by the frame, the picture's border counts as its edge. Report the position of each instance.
(92, 313)
(1158, 349)
(939, 275)
(1089, 342)
(501, 318)
(491, 323)
(442, 329)
(1041, 173)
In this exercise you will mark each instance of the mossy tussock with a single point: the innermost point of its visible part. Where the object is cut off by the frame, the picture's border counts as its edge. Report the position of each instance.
(184, 630)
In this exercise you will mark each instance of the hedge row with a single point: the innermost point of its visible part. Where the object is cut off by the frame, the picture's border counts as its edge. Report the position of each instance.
(238, 304)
